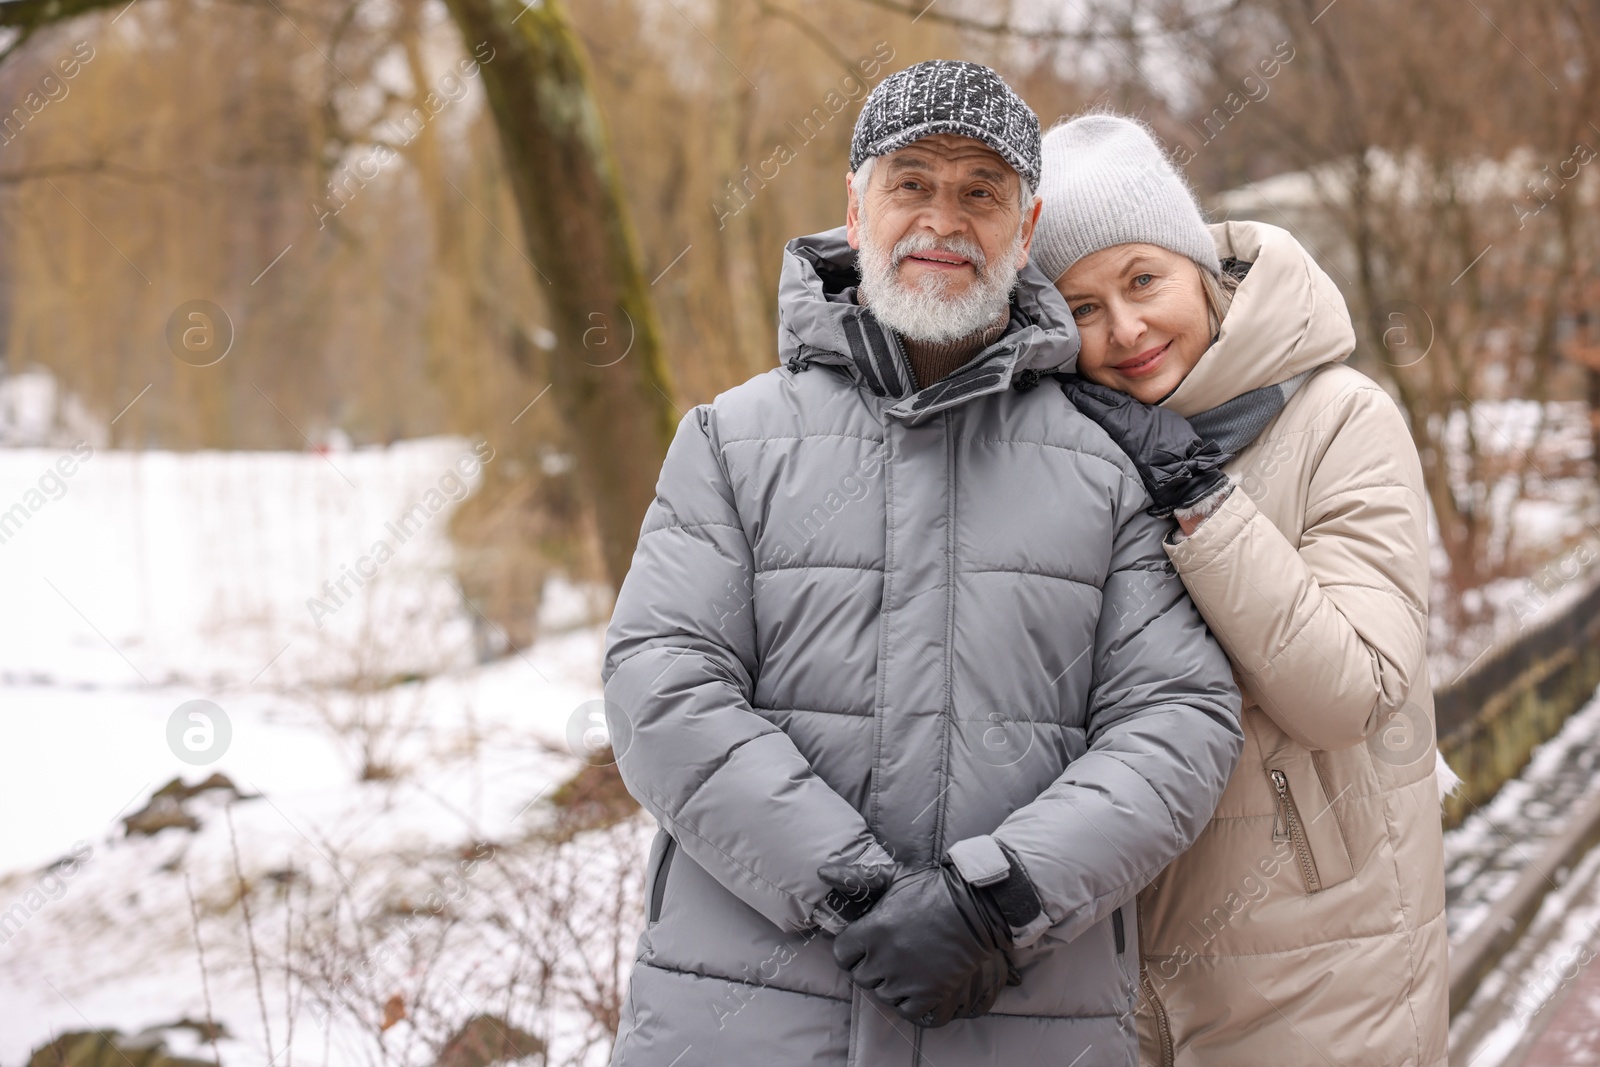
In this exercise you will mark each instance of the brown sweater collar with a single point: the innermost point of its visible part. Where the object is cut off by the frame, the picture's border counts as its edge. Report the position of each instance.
(930, 361)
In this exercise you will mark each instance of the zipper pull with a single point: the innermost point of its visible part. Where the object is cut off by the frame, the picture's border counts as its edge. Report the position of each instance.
(1281, 784)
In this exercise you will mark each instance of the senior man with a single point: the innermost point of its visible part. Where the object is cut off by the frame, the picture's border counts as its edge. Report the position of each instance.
(900, 667)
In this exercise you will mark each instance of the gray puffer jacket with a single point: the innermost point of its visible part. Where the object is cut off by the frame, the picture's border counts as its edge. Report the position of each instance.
(862, 624)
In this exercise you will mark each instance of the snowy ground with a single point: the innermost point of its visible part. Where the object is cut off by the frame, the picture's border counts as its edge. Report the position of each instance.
(1483, 857)
(1490, 848)
(1510, 1006)
(142, 581)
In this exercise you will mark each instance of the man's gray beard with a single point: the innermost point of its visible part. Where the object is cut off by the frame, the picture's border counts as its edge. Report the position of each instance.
(928, 311)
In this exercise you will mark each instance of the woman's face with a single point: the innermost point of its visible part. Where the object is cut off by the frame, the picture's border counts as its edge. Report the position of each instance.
(1142, 315)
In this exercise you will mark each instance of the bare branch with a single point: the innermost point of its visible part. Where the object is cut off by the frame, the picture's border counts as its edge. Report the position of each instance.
(918, 9)
(32, 14)
(212, 1030)
(81, 167)
(249, 929)
(810, 30)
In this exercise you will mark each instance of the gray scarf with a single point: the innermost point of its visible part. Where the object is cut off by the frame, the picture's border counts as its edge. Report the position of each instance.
(1233, 424)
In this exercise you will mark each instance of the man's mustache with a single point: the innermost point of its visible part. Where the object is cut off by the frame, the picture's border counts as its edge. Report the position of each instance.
(965, 247)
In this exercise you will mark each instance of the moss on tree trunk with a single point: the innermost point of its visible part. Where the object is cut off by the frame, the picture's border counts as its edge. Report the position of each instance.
(608, 373)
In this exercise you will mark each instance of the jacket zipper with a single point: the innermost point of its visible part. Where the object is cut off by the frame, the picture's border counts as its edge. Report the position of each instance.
(947, 715)
(1163, 1027)
(1286, 827)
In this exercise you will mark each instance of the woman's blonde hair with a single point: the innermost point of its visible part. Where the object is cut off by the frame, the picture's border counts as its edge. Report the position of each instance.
(1219, 290)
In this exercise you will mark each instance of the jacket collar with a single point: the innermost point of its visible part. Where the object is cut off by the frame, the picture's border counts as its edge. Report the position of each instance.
(1287, 317)
(816, 326)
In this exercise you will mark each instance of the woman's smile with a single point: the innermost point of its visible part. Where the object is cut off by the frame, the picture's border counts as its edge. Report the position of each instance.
(1144, 364)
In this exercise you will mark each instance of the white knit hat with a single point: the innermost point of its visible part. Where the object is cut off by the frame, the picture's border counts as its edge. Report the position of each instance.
(1106, 182)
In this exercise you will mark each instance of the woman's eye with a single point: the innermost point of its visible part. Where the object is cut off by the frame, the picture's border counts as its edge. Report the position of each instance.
(1082, 310)
(1143, 280)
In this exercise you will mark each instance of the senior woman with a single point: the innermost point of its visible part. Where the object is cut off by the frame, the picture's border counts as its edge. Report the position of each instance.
(1306, 924)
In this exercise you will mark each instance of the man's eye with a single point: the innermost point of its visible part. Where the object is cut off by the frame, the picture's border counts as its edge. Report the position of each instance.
(981, 192)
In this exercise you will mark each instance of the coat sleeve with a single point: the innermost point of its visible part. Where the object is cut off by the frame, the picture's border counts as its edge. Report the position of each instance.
(1163, 740)
(1330, 634)
(727, 784)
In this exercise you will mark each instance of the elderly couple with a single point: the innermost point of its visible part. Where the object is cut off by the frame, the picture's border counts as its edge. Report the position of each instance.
(932, 651)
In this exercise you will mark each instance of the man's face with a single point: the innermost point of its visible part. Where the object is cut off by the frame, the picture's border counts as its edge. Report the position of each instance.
(942, 233)
(955, 191)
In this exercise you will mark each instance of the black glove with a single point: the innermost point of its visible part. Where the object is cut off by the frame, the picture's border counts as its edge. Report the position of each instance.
(932, 948)
(856, 887)
(1177, 466)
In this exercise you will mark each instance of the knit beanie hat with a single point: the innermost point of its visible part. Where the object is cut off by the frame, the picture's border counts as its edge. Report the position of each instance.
(1106, 182)
(948, 96)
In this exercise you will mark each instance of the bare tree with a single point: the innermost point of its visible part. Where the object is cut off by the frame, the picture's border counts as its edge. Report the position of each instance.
(608, 371)
(1426, 188)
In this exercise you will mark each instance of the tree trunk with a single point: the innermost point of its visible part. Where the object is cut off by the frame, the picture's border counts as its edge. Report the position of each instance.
(1591, 377)
(754, 342)
(608, 374)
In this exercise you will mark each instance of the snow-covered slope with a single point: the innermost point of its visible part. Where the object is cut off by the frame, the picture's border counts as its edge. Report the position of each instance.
(141, 581)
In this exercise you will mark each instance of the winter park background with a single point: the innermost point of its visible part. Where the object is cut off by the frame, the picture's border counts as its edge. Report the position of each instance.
(309, 414)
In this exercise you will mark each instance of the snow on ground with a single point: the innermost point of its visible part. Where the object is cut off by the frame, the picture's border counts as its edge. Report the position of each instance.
(1496, 1024)
(137, 582)
(1486, 853)
(1483, 857)
(207, 568)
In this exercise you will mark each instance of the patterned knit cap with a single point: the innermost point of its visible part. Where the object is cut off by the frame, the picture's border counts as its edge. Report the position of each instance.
(948, 96)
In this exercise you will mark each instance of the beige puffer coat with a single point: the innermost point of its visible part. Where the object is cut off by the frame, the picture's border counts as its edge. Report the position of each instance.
(1306, 925)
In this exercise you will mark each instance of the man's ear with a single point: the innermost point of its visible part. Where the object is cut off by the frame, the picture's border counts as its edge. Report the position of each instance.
(852, 214)
(1030, 219)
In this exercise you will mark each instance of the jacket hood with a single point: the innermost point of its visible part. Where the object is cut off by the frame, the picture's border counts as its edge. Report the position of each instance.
(1287, 317)
(815, 326)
